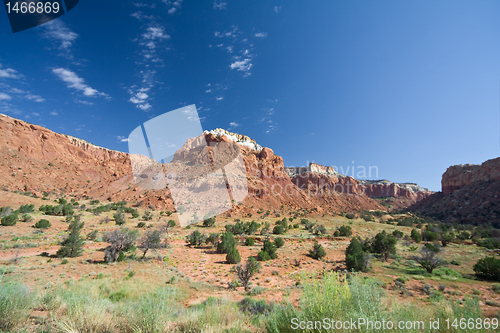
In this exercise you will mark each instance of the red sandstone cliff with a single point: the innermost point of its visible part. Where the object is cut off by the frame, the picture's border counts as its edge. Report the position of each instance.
(458, 176)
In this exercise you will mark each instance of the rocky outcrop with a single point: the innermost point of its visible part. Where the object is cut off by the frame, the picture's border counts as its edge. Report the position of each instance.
(458, 176)
(327, 180)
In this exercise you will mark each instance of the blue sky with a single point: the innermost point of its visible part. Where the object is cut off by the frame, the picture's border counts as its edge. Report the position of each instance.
(410, 87)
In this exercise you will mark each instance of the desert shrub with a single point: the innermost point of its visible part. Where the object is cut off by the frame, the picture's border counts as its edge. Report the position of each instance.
(350, 216)
(26, 218)
(455, 262)
(27, 209)
(5, 211)
(320, 230)
(226, 243)
(255, 307)
(241, 228)
(119, 218)
(428, 257)
(464, 235)
(279, 242)
(429, 235)
(141, 225)
(416, 236)
(446, 272)
(279, 230)
(398, 234)
(317, 252)
(92, 235)
(446, 237)
(148, 216)
(196, 238)
(233, 256)
(210, 222)
(212, 239)
(43, 224)
(10, 220)
(94, 202)
(268, 251)
(345, 231)
(263, 256)
(355, 257)
(490, 243)
(249, 241)
(16, 303)
(488, 268)
(120, 240)
(72, 246)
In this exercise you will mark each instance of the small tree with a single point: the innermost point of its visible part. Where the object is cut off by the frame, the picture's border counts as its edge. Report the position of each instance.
(233, 256)
(320, 230)
(226, 243)
(416, 236)
(249, 241)
(150, 240)
(72, 246)
(384, 244)
(121, 240)
(210, 222)
(488, 268)
(196, 238)
(446, 237)
(345, 231)
(270, 248)
(245, 273)
(355, 257)
(428, 257)
(317, 252)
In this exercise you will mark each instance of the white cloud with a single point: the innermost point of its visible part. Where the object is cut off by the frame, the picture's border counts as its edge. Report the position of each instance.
(157, 32)
(140, 4)
(73, 81)
(61, 35)
(35, 98)
(5, 97)
(261, 34)
(9, 73)
(172, 6)
(219, 98)
(242, 65)
(18, 91)
(54, 113)
(229, 49)
(233, 124)
(144, 107)
(84, 102)
(208, 91)
(122, 138)
(36, 114)
(277, 9)
(220, 5)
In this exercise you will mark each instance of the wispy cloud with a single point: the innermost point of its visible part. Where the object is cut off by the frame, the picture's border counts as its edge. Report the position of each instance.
(141, 4)
(74, 81)
(261, 35)
(5, 97)
(84, 102)
(35, 98)
(220, 98)
(54, 113)
(61, 36)
(173, 6)
(122, 138)
(219, 5)
(242, 65)
(27, 95)
(233, 125)
(277, 9)
(9, 73)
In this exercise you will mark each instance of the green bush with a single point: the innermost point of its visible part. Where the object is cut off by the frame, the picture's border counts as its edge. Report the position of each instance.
(263, 256)
(196, 238)
(9, 220)
(27, 209)
(119, 217)
(279, 242)
(345, 231)
(233, 256)
(210, 222)
(270, 248)
(488, 268)
(226, 243)
(416, 236)
(279, 230)
(141, 225)
(43, 224)
(249, 241)
(26, 218)
(317, 252)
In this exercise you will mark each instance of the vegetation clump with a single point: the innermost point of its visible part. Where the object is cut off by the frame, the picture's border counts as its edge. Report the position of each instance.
(72, 246)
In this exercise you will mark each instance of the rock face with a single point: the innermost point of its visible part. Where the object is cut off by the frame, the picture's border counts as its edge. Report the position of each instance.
(326, 180)
(470, 194)
(458, 176)
(38, 160)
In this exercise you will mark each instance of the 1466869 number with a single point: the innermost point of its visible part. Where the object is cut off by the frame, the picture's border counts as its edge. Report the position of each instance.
(33, 7)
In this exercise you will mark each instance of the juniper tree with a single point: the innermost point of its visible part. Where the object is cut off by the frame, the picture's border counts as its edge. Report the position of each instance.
(245, 273)
(428, 257)
(120, 240)
(72, 246)
(150, 240)
(355, 257)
